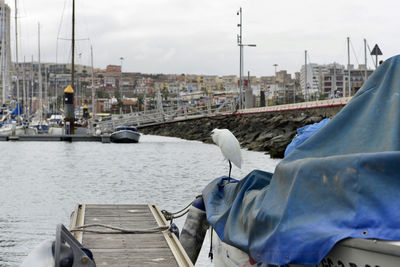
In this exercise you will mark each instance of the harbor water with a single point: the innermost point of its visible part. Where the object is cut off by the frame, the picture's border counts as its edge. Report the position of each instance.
(41, 182)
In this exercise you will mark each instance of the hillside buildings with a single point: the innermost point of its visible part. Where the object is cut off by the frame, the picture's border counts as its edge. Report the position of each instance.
(138, 91)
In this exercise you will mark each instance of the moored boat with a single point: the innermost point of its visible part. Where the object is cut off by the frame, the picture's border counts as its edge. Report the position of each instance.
(125, 134)
(332, 201)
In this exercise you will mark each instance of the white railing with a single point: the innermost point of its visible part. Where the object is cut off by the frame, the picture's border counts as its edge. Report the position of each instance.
(180, 112)
(185, 112)
(303, 105)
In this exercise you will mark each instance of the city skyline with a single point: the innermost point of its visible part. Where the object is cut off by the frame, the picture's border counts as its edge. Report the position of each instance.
(189, 37)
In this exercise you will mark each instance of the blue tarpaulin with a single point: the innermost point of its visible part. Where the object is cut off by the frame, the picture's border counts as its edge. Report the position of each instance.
(342, 182)
(15, 111)
(304, 133)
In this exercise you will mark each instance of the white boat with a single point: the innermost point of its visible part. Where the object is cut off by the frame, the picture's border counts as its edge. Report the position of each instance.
(352, 252)
(125, 134)
(17, 130)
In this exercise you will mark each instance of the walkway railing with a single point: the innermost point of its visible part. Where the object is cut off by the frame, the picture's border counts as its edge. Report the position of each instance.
(185, 112)
(169, 114)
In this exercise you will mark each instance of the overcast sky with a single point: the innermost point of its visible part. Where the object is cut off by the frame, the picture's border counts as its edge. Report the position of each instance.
(200, 37)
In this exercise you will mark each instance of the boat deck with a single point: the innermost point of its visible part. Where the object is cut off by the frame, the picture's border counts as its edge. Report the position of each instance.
(150, 249)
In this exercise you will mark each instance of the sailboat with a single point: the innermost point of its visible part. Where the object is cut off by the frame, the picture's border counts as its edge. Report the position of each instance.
(38, 122)
(12, 123)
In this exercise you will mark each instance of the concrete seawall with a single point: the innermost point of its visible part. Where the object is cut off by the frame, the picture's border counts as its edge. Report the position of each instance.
(267, 131)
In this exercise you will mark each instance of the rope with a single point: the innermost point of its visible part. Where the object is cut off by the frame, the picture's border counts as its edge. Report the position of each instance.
(118, 230)
(169, 216)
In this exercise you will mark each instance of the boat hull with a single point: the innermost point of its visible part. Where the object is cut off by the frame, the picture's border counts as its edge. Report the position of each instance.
(350, 252)
(125, 136)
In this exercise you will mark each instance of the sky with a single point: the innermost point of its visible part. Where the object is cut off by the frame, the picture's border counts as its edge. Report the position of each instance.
(200, 37)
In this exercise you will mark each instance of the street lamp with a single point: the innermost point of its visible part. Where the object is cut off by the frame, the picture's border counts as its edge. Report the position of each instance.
(276, 87)
(241, 45)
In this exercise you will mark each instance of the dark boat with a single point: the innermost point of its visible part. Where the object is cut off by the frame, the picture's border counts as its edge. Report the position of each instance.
(125, 134)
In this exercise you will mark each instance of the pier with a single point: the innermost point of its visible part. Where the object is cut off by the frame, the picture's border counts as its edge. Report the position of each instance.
(54, 138)
(188, 112)
(161, 248)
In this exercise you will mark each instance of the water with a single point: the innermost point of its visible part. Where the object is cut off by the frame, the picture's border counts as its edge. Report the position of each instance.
(41, 182)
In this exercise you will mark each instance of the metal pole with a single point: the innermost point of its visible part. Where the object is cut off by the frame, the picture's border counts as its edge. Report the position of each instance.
(365, 55)
(248, 86)
(40, 79)
(120, 87)
(305, 76)
(241, 61)
(46, 90)
(276, 86)
(3, 49)
(32, 85)
(73, 47)
(348, 64)
(16, 55)
(24, 96)
(333, 88)
(93, 92)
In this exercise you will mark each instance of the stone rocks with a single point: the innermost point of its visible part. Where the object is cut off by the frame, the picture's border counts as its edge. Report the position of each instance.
(259, 132)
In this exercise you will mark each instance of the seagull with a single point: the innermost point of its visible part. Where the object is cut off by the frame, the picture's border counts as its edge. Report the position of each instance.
(229, 146)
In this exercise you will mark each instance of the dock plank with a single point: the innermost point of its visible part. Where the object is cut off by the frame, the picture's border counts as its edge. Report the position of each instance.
(123, 250)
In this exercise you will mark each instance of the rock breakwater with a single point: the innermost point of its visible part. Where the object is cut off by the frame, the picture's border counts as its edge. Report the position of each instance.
(269, 132)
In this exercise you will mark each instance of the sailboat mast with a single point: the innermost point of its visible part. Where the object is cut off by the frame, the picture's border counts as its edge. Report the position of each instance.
(365, 58)
(16, 55)
(348, 64)
(73, 47)
(3, 49)
(40, 79)
(24, 95)
(32, 84)
(93, 93)
(305, 76)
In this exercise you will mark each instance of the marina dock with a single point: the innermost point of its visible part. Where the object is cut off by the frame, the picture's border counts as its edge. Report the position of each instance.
(54, 138)
(126, 249)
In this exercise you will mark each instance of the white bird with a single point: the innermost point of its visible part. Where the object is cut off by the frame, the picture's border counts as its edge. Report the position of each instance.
(229, 146)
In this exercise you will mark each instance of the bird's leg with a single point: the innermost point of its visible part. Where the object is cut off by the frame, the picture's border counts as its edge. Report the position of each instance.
(230, 168)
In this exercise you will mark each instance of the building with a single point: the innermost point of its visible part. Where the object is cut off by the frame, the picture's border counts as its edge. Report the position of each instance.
(335, 82)
(310, 84)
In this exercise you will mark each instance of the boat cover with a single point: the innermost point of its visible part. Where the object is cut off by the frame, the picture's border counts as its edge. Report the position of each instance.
(304, 133)
(343, 182)
(15, 111)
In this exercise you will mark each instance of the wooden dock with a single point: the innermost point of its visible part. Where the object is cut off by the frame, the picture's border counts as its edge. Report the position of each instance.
(123, 250)
(55, 138)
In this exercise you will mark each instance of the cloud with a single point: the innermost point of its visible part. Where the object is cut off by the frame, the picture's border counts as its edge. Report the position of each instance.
(181, 36)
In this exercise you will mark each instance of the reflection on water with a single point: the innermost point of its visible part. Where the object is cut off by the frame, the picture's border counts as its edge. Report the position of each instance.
(41, 182)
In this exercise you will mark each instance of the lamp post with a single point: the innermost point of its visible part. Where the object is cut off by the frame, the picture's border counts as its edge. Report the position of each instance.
(276, 89)
(241, 45)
